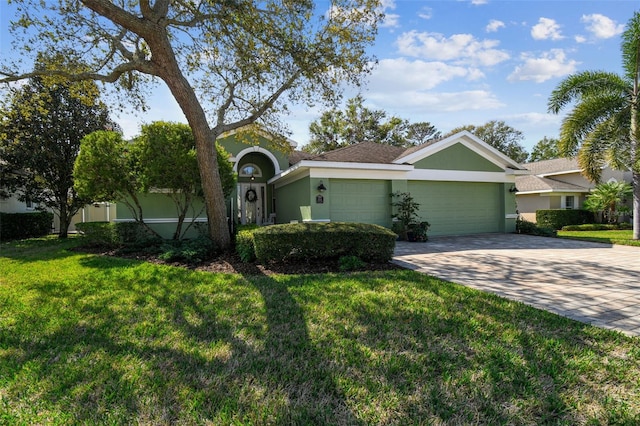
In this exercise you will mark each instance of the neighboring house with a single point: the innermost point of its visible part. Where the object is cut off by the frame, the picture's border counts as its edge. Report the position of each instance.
(91, 213)
(557, 184)
(462, 184)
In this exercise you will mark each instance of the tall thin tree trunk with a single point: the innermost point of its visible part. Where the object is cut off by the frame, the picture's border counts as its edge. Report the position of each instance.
(636, 205)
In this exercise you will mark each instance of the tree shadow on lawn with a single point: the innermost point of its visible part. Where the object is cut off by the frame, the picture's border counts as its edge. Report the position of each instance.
(135, 342)
(149, 344)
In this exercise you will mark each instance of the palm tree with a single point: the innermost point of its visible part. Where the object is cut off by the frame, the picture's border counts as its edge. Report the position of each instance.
(603, 123)
(607, 198)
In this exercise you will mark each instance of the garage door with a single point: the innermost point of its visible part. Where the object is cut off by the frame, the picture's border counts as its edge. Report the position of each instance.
(457, 208)
(365, 201)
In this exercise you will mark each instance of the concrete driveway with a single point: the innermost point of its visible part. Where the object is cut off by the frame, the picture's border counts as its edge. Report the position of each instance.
(594, 283)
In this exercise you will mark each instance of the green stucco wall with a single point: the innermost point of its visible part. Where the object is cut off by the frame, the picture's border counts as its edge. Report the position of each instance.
(457, 157)
(292, 200)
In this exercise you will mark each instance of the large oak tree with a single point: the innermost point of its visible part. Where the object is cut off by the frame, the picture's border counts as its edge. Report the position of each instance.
(228, 63)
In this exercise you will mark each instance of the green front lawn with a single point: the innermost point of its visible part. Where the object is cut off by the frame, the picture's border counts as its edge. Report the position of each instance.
(610, 237)
(86, 339)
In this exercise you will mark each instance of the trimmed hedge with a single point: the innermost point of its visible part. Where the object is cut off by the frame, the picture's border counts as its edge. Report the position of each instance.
(556, 219)
(530, 228)
(117, 234)
(244, 243)
(14, 226)
(597, 227)
(310, 241)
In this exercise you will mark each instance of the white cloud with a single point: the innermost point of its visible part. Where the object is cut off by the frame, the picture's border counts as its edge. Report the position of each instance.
(551, 64)
(438, 102)
(580, 39)
(426, 13)
(601, 26)
(546, 29)
(462, 48)
(391, 20)
(494, 25)
(479, 2)
(394, 75)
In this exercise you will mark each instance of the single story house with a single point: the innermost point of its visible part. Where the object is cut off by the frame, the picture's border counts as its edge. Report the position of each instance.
(97, 212)
(462, 184)
(557, 184)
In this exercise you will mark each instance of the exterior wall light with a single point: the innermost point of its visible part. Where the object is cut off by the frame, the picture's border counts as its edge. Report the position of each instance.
(513, 189)
(321, 187)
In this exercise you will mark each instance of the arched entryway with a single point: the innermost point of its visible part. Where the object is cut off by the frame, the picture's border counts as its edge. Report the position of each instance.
(254, 196)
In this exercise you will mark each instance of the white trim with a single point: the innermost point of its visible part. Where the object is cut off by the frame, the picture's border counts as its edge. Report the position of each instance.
(552, 191)
(165, 220)
(316, 220)
(256, 148)
(511, 216)
(459, 176)
(563, 172)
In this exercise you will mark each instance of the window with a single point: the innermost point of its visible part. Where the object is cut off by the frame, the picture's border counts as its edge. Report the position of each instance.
(249, 170)
(569, 202)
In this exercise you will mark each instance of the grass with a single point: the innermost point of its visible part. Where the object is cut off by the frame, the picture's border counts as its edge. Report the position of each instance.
(623, 237)
(86, 339)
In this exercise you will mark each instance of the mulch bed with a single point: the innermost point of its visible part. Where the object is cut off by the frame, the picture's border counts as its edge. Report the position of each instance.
(229, 262)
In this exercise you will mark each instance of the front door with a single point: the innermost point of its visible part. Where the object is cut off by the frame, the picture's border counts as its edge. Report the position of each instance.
(252, 203)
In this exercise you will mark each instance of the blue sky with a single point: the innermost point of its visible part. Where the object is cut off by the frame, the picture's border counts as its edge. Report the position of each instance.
(458, 62)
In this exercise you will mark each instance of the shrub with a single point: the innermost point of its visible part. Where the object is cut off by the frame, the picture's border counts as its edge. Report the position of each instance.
(597, 227)
(556, 219)
(126, 235)
(15, 226)
(351, 263)
(98, 234)
(188, 251)
(530, 228)
(311, 241)
(244, 243)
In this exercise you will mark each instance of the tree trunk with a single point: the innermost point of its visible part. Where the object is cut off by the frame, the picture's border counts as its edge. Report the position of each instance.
(636, 205)
(65, 220)
(169, 72)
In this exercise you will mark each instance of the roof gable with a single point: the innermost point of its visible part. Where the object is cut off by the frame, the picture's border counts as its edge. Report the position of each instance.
(457, 157)
(465, 138)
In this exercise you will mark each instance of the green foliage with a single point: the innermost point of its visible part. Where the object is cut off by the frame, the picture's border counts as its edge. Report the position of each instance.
(609, 198)
(547, 149)
(351, 263)
(530, 228)
(163, 156)
(597, 227)
(311, 241)
(245, 244)
(125, 235)
(189, 251)
(407, 218)
(336, 128)
(105, 169)
(41, 125)
(557, 218)
(499, 135)
(98, 234)
(15, 226)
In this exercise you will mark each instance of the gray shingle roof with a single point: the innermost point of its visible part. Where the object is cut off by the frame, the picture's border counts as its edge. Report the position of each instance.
(364, 152)
(553, 166)
(532, 183)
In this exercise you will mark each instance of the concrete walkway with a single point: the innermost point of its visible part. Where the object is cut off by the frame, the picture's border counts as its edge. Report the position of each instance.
(594, 283)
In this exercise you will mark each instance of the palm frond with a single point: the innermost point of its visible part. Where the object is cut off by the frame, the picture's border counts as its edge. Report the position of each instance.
(587, 84)
(591, 158)
(631, 47)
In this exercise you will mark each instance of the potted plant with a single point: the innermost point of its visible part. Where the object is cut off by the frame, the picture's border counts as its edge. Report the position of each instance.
(407, 223)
